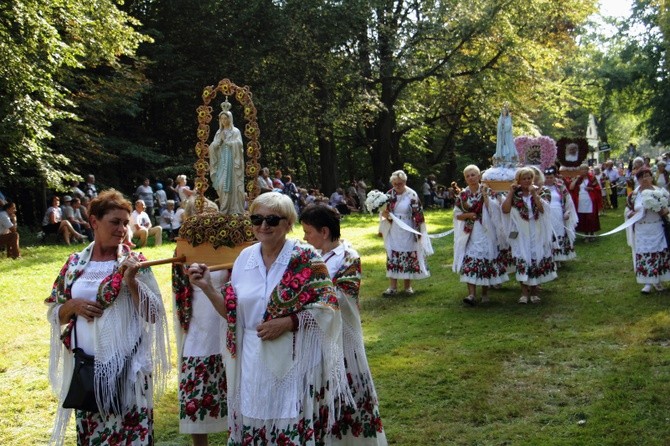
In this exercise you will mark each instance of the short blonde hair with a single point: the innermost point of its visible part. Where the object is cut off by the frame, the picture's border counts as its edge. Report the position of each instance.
(524, 171)
(538, 176)
(181, 178)
(277, 202)
(471, 168)
(398, 175)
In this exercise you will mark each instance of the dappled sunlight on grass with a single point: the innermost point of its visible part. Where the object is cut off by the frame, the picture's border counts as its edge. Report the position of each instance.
(589, 366)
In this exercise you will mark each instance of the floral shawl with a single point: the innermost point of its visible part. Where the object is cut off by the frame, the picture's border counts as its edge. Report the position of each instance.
(567, 205)
(487, 216)
(417, 212)
(123, 331)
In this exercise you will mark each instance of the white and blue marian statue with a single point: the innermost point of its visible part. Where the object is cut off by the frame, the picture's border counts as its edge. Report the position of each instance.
(226, 163)
(505, 149)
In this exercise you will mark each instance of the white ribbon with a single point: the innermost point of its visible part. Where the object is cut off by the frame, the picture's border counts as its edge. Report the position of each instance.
(628, 223)
(404, 226)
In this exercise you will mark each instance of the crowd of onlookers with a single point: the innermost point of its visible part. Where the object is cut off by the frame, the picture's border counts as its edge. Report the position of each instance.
(159, 210)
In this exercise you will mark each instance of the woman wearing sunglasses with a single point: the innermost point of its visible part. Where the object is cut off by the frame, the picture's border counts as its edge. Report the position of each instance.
(284, 361)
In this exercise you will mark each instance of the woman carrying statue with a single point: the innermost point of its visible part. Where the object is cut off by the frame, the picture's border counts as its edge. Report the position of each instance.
(226, 163)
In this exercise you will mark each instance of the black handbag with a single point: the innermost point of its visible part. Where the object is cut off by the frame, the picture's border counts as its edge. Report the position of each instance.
(82, 391)
(81, 394)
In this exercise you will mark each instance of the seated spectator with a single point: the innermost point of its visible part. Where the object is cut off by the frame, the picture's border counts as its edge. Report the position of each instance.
(178, 220)
(89, 187)
(350, 201)
(166, 220)
(440, 197)
(74, 189)
(141, 226)
(337, 201)
(79, 218)
(68, 213)
(53, 223)
(277, 183)
(9, 235)
(264, 181)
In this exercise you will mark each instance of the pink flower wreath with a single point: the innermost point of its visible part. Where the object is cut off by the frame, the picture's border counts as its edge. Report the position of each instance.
(525, 146)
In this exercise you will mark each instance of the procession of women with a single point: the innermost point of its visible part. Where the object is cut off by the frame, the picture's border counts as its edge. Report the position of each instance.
(270, 347)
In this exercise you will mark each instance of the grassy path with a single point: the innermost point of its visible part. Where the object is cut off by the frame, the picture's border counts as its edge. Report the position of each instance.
(588, 366)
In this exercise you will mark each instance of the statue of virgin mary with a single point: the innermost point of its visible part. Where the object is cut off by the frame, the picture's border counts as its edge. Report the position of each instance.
(226, 163)
(505, 148)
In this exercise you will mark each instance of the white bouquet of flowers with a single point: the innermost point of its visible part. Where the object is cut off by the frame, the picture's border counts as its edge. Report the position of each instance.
(654, 199)
(376, 201)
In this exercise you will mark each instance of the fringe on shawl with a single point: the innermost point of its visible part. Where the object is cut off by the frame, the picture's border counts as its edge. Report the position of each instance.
(318, 367)
(138, 334)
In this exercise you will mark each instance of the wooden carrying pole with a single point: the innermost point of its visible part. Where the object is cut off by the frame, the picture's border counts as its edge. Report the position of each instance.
(216, 259)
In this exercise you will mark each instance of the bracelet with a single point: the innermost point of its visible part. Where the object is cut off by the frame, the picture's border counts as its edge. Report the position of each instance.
(296, 322)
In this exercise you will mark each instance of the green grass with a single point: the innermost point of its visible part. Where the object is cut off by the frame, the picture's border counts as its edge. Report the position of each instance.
(588, 366)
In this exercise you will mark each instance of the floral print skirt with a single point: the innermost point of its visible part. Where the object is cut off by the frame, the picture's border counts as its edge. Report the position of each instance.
(202, 395)
(652, 267)
(133, 428)
(406, 265)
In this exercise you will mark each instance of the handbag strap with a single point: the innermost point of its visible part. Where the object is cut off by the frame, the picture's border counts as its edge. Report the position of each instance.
(74, 330)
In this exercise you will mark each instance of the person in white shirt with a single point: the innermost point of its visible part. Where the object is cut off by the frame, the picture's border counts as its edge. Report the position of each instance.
(141, 225)
(613, 175)
(167, 218)
(9, 235)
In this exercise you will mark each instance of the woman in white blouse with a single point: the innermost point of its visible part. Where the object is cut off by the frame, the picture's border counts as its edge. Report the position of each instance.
(284, 362)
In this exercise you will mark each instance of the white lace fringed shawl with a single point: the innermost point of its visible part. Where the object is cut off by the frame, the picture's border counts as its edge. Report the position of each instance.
(312, 357)
(347, 286)
(491, 215)
(520, 245)
(122, 331)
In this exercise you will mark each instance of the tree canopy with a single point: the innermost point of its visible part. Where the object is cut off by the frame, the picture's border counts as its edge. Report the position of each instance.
(345, 89)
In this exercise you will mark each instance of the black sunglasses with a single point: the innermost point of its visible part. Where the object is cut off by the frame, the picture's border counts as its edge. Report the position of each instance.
(271, 220)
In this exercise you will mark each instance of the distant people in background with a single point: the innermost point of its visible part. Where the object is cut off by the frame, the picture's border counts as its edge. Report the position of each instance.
(3, 199)
(53, 223)
(264, 181)
(362, 191)
(9, 234)
(613, 175)
(603, 181)
(277, 183)
(351, 192)
(178, 220)
(291, 190)
(89, 188)
(141, 225)
(661, 177)
(338, 202)
(405, 251)
(68, 212)
(632, 180)
(350, 201)
(145, 193)
(427, 191)
(160, 198)
(82, 223)
(171, 192)
(440, 197)
(74, 189)
(182, 188)
(166, 220)
(586, 196)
